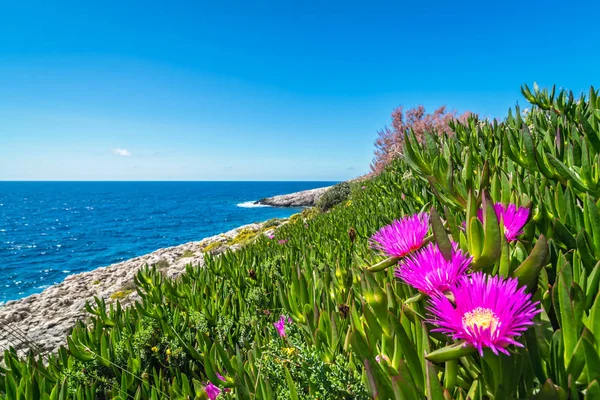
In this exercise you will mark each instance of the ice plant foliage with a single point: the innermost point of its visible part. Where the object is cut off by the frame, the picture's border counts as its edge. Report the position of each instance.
(428, 270)
(347, 312)
(513, 217)
(488, 312)
(402, 236)
(280, 325)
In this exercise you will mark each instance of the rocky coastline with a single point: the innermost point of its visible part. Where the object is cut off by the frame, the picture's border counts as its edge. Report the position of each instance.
(41, 321)
(305, 198)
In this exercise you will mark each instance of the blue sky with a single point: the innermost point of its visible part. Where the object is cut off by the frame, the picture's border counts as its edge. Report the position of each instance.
(260, 90)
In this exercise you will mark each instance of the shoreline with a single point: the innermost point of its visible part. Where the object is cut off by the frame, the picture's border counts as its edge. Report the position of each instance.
(41, 321)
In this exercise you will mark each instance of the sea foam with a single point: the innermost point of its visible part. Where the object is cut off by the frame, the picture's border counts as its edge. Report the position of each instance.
(251, 204)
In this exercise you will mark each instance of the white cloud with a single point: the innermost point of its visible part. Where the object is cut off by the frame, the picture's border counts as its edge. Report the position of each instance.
(121, 152)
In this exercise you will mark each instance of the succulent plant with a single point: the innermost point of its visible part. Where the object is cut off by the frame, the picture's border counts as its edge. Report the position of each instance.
(215, 327)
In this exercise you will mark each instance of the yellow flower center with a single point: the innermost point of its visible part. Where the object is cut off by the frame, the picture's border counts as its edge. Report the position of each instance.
(484, 318)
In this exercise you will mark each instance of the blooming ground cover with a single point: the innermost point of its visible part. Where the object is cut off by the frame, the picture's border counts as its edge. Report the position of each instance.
(469, 268)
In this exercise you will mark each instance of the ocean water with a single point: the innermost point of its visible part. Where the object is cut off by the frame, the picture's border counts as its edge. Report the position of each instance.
(49, 230)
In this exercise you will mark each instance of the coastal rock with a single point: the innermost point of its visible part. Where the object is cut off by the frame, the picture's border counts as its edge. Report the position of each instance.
(40, 322)
(305, 198)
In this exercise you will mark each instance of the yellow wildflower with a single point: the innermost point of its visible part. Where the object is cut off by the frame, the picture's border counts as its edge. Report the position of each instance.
(289, 350)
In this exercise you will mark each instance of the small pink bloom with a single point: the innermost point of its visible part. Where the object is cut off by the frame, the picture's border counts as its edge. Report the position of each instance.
(363, 188)
(212, 391)
(282, 241)
(378, 358)
(428, 270)
(513, 217)
(280, 325)
(487, 312)
(271, 236)
(402, 236)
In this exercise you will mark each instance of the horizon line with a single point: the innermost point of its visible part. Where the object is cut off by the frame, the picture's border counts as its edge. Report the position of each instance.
(80, 180)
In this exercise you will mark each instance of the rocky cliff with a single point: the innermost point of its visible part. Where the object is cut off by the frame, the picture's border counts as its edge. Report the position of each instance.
(41, 321)
(305, 198)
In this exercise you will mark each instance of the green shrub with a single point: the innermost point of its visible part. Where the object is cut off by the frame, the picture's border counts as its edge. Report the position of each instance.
(334, 196)
(244, 236)
(273, 222)
(309, 213)
(296, 217)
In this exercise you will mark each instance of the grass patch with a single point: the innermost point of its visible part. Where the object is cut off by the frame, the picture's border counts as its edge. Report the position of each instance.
(162, 264)
(213, 246)
(187, 254)
(121, 294)
(96, 282)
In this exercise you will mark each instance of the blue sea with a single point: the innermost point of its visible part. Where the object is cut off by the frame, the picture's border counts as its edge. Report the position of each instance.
(49, 230)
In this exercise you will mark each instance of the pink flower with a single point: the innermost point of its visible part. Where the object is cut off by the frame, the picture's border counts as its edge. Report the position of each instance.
(428, 270)
(282, 241)
(378, 358)
(212, 391)
(363, 187)
(402, 236)
(514, 219)
(487, 312)
(280, 325)
(271, 236)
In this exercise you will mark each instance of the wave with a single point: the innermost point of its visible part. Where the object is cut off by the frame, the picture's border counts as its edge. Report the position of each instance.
(251, 204)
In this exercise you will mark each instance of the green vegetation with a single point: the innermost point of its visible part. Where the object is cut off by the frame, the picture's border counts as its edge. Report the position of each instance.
(308, 369)
(212, 246)
(273, 222)
(187, 254)
(296, 217)
(120, 295)
(161, 264)
(310, 213)
(96, 282)
(357, 331)
(334, 196)
(244, 236)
